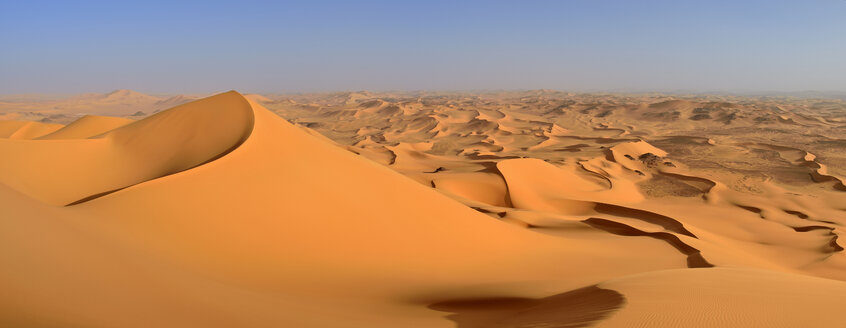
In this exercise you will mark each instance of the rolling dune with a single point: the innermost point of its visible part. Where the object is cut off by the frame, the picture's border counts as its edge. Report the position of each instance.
(532, 209)
(86, 127)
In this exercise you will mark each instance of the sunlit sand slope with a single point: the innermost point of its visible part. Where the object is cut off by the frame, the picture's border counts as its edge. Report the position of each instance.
(87, 127)
(219, 213)
(61, 168)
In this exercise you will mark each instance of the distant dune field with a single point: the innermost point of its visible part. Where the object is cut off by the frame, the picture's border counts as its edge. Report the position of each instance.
(358, 209)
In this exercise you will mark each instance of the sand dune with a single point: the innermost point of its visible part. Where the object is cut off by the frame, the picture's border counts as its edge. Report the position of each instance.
(532, 209)
(26, 130)
(86, 127)
(63, 171)
(63, 110)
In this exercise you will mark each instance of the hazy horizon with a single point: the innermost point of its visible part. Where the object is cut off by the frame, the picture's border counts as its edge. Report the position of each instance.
(324, 46)
(829, 94)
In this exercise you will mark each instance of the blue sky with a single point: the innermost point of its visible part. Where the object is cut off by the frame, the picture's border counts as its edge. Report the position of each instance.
(296, 46)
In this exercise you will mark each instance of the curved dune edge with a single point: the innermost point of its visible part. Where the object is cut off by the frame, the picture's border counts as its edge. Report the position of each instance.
(710, 199)
(86, 127)
(247, 240)
(549, 198)
(65, 168)
(290, 230)
(8, 127)
(26, 130)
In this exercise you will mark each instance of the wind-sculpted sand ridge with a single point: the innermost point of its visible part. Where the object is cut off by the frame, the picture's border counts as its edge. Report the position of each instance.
(86, 127)
(424, 210)
(26, 130)
(694, 256)
(79, 160)
(651, 158)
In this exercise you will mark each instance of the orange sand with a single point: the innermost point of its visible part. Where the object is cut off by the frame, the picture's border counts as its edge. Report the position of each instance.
(498, 210)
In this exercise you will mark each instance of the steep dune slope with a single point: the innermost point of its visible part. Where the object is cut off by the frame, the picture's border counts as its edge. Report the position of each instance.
(219, 213)
(296, 220)
(383, 235)
(64, 171)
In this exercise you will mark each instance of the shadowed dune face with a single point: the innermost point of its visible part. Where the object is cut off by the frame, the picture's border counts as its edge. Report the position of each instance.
(96, 156)
(499, 208)
(714, 172)
(582, 307)
(694, 256)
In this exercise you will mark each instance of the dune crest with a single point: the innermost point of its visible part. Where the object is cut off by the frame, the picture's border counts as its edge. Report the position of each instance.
(517, 209)
(86, 127)
(62, 169)
(26, 130)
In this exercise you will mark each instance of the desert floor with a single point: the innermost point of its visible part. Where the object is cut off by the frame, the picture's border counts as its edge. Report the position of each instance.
(495, 209)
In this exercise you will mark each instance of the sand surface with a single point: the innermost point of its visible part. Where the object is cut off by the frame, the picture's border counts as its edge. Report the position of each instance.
(509, 209)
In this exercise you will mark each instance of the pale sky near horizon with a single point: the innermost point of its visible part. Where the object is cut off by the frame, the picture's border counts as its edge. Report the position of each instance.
(296, 46)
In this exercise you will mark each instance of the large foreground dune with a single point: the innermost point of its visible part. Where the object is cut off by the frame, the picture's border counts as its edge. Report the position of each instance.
(507, 210)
